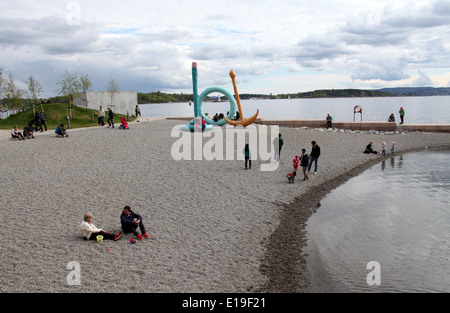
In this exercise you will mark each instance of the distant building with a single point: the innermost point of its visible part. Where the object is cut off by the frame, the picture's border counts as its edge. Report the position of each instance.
(123, 101)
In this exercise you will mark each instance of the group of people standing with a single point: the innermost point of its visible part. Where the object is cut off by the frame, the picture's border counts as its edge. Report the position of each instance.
(305, 161)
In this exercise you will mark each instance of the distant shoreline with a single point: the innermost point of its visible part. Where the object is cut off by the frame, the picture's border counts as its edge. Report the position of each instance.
(295, 96)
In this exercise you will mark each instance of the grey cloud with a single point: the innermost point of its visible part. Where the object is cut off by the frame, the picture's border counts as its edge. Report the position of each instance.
(423, 80)
(385, 69)
(374, 35)
(314, 52)
(442, 8)
(168, 35)
(51, 34)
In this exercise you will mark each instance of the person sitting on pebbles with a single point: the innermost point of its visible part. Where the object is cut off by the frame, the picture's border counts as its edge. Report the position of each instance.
(15, 133)
(369, 149)
(28, 131)
(61, 131)
(131, 221)
(90, 232)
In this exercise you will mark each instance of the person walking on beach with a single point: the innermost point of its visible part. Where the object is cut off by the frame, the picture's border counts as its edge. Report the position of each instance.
(90, 232)
(393, 148)
(110, 118)
(314, 156)
(296, 162)
(41, 115)
(131, 221)
(402, 114)
(247, 156)
(138, 112)
(15, 133)
(37, 121)
(278, 144)
(383, 148)
(304, 160)
(101, 116)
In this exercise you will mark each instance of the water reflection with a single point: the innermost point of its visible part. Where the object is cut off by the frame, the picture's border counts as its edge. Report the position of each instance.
(392, 160)
(397, 216)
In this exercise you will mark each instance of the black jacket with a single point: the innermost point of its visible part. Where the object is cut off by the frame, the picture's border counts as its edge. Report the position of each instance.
(127, 221)
(304, 160)
(315, 152)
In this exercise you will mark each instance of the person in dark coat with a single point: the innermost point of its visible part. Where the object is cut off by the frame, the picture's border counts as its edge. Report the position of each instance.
(37, 121)
(131, 221)
(304, 161)
(110, 118)
(314, 156)
(369, 149)
(41, 115)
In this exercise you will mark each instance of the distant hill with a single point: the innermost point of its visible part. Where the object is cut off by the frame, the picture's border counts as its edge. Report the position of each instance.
(160, 97)
(417, 91)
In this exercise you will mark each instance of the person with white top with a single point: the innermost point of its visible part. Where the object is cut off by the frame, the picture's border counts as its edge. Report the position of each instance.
(101, 116)
(15, 133)
(90, 232)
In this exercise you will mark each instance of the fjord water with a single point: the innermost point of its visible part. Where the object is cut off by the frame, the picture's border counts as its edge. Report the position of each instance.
(419, 110)
(396, 213)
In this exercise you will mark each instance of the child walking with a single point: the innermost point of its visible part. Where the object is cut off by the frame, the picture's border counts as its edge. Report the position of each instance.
(296, 162)
(383, 148)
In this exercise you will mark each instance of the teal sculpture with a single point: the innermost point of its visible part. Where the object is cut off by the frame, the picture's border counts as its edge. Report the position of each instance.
(195, 124)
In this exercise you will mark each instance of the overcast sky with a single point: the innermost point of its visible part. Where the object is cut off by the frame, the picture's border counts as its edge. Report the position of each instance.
(282, 46)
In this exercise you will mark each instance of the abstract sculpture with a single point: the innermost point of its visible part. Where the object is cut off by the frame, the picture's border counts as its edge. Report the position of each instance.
(195, 124)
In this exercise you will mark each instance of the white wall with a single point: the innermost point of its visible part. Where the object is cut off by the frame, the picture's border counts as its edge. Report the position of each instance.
(123, 101)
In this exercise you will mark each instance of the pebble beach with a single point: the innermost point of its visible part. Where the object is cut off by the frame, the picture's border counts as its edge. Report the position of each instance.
(213, 226)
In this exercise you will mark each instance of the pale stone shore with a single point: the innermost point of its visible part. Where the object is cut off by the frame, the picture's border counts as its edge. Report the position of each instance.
(214, 226)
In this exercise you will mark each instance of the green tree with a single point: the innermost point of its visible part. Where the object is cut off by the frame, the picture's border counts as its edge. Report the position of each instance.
(13, 92)
(69, 87)
(112, 87)
(34, 91)
(86, 85)
(2, 86)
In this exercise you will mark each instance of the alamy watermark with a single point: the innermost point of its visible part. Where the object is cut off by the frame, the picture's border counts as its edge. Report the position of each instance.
(228, 143)
(374, 276)
(74, 276)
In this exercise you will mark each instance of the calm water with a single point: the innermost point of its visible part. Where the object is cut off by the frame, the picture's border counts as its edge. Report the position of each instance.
(396, 213)
(419, 110)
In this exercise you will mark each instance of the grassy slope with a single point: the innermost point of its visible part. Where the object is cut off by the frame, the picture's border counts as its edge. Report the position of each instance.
(55, 114)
